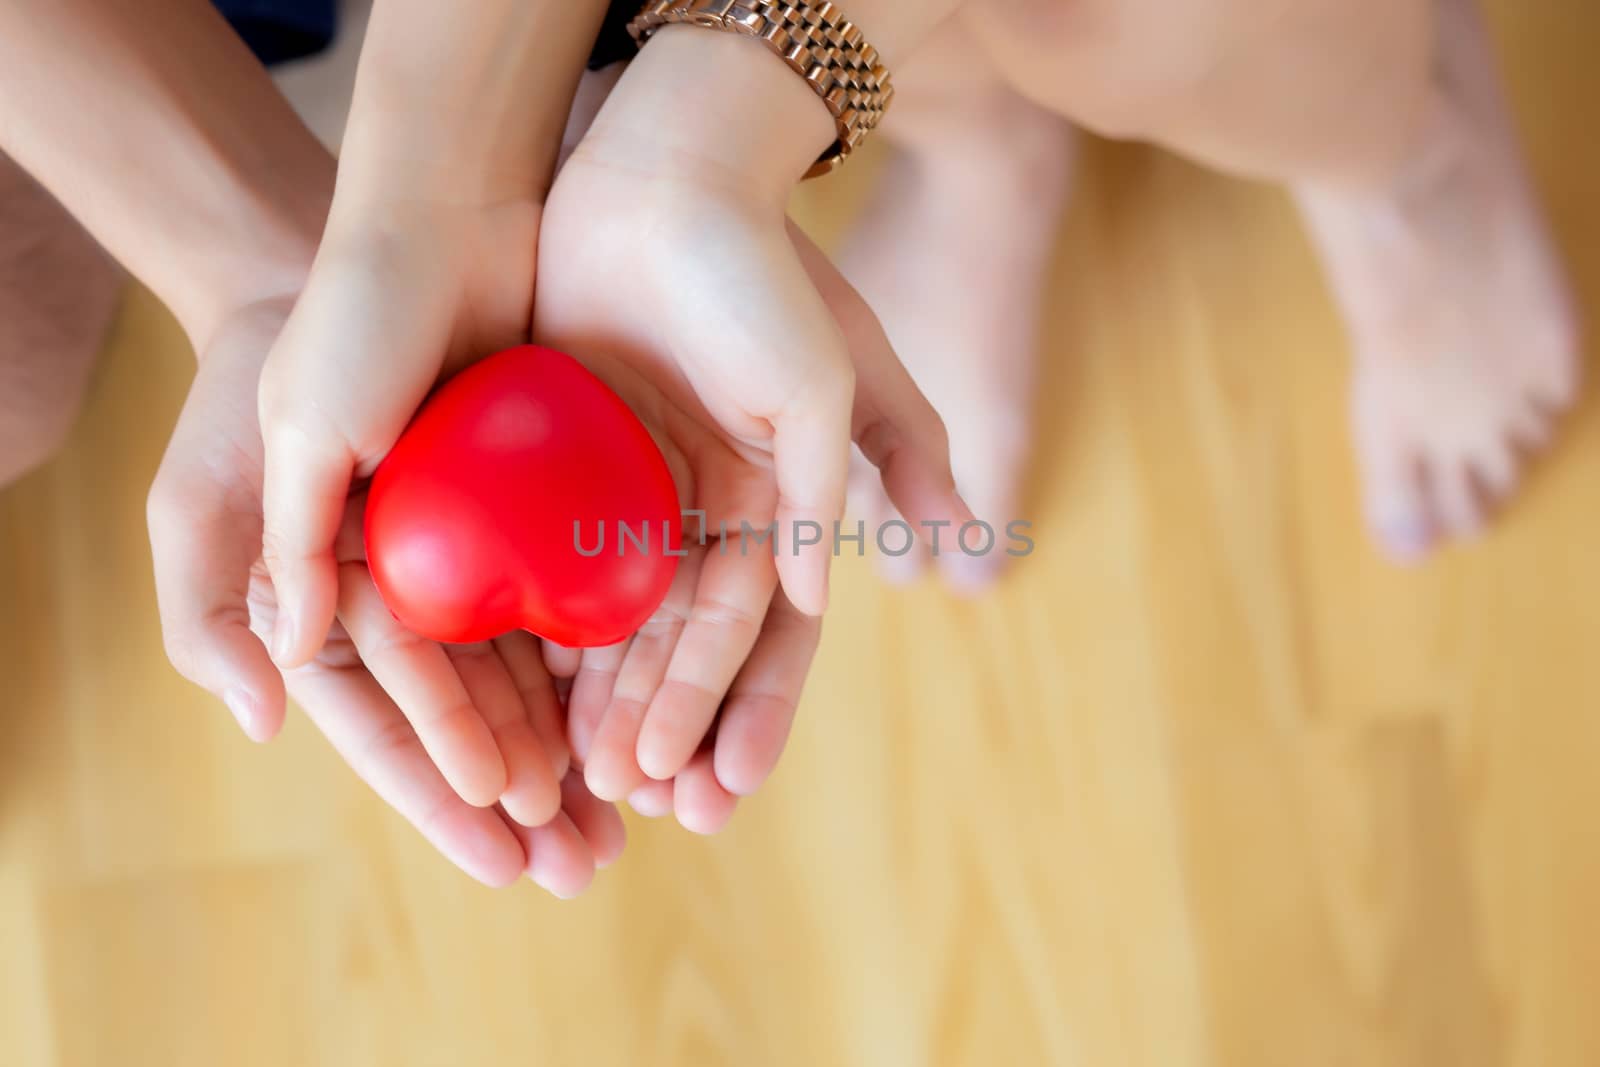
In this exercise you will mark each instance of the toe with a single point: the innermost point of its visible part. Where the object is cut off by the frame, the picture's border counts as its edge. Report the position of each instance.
(1556, 352)
(1494, 470)
(1456, 503)
(1529, 428)
(869, 504)
(887, 535)
(1405, 535)
(989, 470)
(1397, 510)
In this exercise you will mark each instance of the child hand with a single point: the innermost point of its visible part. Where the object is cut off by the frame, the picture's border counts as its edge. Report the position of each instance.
(670, 277)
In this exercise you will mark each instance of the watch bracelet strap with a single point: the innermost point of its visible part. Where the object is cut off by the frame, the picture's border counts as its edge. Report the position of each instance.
(814, 39)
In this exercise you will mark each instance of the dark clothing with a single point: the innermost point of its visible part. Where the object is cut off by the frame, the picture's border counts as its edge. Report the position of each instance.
(280, 30)
(614, 45)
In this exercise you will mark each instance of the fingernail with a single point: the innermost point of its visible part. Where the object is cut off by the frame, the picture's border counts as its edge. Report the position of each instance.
(648, 802)
(607, 781)
(243, 707)
(654, 760)
(548, 884)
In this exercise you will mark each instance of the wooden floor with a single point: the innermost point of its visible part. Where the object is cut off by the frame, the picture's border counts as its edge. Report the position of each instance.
(1207, 784)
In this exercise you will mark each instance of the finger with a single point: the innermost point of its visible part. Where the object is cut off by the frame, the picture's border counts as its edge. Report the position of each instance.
(611, 770)
(561, 661)
(532, 793)
(368, 731)
(761, 705)
(420, 678)
(698, 799)
(652, 800)
(542, 707)
(205, 535)
(892, 422)
(559, 859)
(203, 553)
(388, 317)
(811, 458)
(730, 602)
(644, 667)
(650, 650)
(590, 695)
(599, 822)
(306, 480)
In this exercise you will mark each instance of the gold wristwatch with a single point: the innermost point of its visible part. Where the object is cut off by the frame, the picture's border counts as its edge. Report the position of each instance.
(814, 38)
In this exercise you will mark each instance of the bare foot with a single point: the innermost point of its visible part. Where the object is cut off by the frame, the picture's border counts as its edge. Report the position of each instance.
(1464, 330)
(57, 294)
(952, 253)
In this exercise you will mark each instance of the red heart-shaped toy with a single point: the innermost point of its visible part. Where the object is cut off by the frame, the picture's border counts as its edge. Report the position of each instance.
(487, 515)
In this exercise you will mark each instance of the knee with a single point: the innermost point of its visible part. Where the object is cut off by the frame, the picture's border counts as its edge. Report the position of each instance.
(1270, 88)
(45, 364)
(1124, 69)
(58, 294)
(34, 424)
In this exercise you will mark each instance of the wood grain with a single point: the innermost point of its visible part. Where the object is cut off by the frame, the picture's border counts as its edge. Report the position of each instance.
(1205, 784)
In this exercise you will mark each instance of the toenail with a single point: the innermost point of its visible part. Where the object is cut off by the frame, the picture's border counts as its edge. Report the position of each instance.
(1406, 541)
(971, 575)
(903, 569)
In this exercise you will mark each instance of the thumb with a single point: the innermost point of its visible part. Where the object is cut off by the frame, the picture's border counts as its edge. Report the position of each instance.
(305, 481)
(337, 388)
(203, 535)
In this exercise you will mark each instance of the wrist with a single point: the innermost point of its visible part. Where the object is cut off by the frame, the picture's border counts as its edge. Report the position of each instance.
(270, 224)
(712, 108)
(465, 106)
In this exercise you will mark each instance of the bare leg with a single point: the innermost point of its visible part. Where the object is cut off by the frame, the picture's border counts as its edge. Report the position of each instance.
(1285, 90)
(951, 253)
(1386, 119)
(58, 291)
(1465, 332)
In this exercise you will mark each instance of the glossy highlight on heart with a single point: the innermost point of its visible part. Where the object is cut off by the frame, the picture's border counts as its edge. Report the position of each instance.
(486, 515)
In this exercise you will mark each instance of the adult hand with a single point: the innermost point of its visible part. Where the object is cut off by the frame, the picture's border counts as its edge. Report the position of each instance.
(217, 605)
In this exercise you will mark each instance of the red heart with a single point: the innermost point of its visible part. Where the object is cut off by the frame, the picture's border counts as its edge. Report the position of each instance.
(470, 521)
